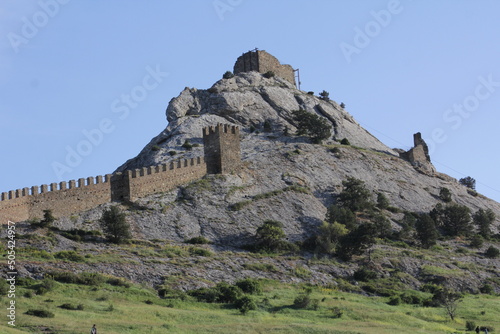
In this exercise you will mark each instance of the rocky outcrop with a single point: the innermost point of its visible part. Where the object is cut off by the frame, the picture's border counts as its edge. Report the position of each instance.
(248, 100)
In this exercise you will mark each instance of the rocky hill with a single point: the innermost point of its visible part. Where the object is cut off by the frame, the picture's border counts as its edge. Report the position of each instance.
(274, 161)
(285, 178)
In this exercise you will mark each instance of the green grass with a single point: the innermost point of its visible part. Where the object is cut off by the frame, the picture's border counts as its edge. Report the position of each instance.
(118, 309)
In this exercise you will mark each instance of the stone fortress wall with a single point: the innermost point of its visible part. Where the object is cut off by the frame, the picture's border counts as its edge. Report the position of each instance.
(262, 62)
(222, 155)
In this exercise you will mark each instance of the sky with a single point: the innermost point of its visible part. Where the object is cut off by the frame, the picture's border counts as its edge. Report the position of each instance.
(84, 84)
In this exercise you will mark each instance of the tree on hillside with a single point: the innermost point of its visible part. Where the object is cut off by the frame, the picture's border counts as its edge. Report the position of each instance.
(453, 219)
(115, 226)
(449, 300)
(48, 219)
(469, 182)
(427, 233)
(342, 216)
(270, 237)
(329, 236)
(445, 194)
(355, 196)
(382, 201)
(324, 95)
(483, 220)
(312, 126)
(357, 241)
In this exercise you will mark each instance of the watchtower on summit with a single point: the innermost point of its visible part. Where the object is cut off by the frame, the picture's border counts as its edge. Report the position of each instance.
(262, 62)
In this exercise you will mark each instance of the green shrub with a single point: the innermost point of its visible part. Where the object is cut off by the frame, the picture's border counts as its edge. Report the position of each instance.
(342, 105)
(221, 293)
(45, 286)
(382, 201)
(200, 252)
(269, 235)
(310, 93)
(249, 285)
(476, 241)
(364, 275)
(172, 153)
(245, 304)
(341, 215)
(207, 295)
(40, 313)
(71, 278)
(395, 300)
(187, 145)
(91, 279)
(69, 256)
(302, 302)
(345, 141)
(492, 252)
(198, 241)
(487, 289)
(470, 325)
(115, 281)
(412, 298)
(469, 182)
(269, 74)
(324, 95)
(336, 312)
(167, 293)
(228, 75)
(445, 194)
(155, 148)
(68, 306)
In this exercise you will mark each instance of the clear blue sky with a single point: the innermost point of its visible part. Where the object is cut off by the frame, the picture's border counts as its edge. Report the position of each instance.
(399, 66)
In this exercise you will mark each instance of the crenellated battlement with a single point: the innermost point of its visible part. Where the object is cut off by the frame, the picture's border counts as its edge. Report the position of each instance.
(221, 145)
(221, 128)
(54, 187)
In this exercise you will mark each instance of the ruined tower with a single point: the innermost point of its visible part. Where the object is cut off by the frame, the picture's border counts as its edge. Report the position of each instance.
(262, 62)
(419, 156)
(222, 148)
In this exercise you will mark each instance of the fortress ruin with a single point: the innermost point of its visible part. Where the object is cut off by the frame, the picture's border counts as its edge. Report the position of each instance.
(262, 62)
(221, 156)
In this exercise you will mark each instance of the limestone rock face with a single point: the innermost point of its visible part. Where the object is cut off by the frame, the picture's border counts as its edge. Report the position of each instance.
(248, 100)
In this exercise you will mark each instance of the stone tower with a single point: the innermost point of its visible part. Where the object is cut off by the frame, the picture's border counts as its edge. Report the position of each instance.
(419, 156)
(222, 149)
(262, 62)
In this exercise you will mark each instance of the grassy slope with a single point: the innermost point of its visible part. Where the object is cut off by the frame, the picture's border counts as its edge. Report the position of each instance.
(132, 315)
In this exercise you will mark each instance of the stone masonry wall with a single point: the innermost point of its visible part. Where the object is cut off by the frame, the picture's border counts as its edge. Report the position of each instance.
(262, 62)
(151, 180)
(221, 145)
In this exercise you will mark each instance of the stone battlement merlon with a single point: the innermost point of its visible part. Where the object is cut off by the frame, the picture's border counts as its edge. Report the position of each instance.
(165, 168)
(53, 187)
(221, 128)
